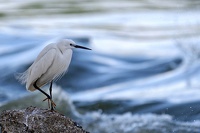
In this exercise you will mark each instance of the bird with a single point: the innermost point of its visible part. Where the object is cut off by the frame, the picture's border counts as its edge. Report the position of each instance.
(51, 63)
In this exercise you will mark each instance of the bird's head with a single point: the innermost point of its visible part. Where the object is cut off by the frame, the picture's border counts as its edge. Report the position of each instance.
(69, 44)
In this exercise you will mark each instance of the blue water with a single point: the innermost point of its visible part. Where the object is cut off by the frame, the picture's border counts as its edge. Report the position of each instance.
(142, 75)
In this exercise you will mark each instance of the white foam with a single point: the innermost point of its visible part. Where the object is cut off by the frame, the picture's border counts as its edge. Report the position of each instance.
(136, 123)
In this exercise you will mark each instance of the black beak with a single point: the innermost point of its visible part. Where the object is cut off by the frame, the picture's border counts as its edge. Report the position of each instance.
(77, 46)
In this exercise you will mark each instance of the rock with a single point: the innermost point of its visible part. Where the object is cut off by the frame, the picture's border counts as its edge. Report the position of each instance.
(36, 120)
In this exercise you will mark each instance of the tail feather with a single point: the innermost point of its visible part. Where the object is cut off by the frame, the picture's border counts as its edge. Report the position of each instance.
(22, 77)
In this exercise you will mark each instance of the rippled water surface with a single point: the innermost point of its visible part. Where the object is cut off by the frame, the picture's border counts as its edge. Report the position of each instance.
(142, 75)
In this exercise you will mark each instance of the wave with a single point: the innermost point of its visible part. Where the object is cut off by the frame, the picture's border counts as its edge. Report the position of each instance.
(97, 122)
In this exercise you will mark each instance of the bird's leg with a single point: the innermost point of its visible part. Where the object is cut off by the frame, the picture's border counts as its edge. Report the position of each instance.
(52, 103)
(50, 91)
(48, 97)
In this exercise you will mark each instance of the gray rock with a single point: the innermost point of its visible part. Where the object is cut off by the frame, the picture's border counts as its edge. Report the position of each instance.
(36, 120)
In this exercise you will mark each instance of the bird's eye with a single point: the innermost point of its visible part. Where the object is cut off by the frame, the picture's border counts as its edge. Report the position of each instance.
(71, 44)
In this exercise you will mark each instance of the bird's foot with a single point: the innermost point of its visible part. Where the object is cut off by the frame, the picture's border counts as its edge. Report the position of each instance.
(53, 105)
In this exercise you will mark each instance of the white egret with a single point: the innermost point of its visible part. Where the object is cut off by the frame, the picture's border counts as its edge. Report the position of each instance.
(51, 63)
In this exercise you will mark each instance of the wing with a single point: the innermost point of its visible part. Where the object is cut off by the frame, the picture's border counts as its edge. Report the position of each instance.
(23, 77)
(40, 66)
(44, 51)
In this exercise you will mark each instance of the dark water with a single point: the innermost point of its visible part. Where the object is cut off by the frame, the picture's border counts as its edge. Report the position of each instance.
(142, 75)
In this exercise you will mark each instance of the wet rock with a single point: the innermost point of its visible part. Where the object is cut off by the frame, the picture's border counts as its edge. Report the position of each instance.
(36, 120)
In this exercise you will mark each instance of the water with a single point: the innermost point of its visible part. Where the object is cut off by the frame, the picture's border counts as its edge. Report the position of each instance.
(142, 75)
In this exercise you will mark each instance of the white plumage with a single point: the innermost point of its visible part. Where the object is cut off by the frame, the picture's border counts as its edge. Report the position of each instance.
(51, 63)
